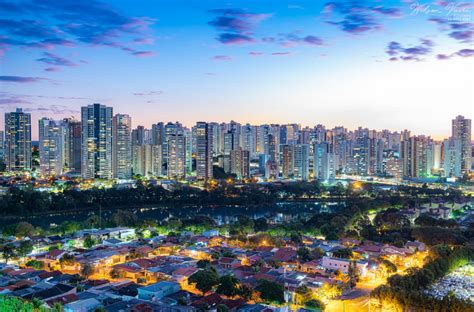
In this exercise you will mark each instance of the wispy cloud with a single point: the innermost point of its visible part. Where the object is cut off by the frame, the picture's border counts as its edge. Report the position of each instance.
(292, 39)
(461, 53)
(56, 60)
(222, 58)
(236, 26)
(357, 17)
(460, 31)
(20, 79)
(414, 53)
(69, 23)
(281, 53)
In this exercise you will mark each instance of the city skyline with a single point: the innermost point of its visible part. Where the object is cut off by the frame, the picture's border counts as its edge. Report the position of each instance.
(104, 145)
(261, 63)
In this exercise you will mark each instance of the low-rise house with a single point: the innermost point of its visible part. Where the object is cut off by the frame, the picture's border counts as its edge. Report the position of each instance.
(343, 265)
(84, 305)
(229, 263)
(158, 290)
(415, 246)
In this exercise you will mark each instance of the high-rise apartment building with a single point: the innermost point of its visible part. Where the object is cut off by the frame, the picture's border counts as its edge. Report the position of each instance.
(51, 146)
(96, 141)
(323, 164)
(204, 155)
(177, 157)
(461, 131)
(121, 146)
(18, 140)
(72, 146)
(240, 163)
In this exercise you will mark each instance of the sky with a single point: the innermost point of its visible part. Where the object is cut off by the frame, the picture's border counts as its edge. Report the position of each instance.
(378, 64)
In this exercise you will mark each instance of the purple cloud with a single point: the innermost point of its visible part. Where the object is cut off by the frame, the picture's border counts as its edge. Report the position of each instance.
(19, 79)
(236, 25)
(53, 59)
(52, 69)
(397, 51)
(292, 39)
(462, 32)
(281, 53)
(227, 38)
(463, 36)
(68, 23)
(460, 53)
(255, 53)
(143, 53)
(356, 17)
(222, 58)
(465, 53)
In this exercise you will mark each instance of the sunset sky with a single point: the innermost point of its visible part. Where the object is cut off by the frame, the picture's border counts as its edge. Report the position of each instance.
(378, 64)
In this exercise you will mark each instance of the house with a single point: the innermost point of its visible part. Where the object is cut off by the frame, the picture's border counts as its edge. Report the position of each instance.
(343, 265)
(158, 290)
(415, 246)
(181, 275)
(312, 266)
(84, 305)
(229, 263)
(285, 254)
(210, 233)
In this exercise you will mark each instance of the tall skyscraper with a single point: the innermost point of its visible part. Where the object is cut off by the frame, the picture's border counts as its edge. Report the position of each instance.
(72, 146)
(240, 163)
(2, 147)
(461, 131)
(121, 146)
(323, 164)
(203, 151)
(51, 146)
(18, 140)
(177, 157)
(96, 141)
(301, 162)
(287, 166)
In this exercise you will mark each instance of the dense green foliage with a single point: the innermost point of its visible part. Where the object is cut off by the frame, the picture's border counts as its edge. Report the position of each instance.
(271, 291)
(407, 290)
(23, 201)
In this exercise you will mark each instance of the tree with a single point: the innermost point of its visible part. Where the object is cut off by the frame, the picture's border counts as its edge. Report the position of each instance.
(228, 286)
(203, 264)
(124, 218)
(67, 259)
(24, 229)
(353, 274)
(8, 252)
(303, 294)
(35, 264)
(246, 292)
(222, 308)
(87, 270)
(89, 242)
(304, 254)
(204, 280)
(344, 253)
(25, 248)
(388, 267)
(271, 291)
(114, 273)
(314, 304)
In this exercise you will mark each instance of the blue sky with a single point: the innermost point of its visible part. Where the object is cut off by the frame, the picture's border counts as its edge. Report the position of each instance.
(390, 64)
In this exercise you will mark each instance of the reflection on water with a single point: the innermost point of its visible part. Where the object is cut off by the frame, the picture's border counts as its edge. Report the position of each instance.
(275, 213)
